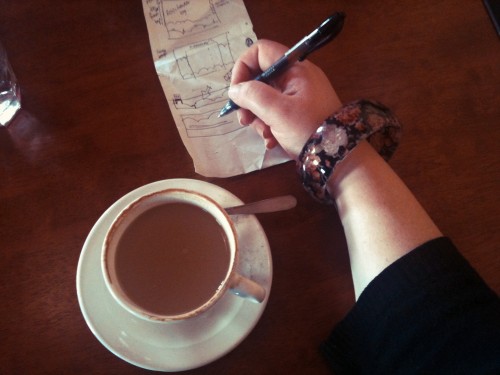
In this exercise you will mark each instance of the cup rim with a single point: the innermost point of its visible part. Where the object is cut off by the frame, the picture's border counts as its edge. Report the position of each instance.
(130, 306)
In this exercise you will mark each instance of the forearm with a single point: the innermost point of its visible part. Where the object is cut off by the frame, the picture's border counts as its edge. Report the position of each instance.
(382, 219)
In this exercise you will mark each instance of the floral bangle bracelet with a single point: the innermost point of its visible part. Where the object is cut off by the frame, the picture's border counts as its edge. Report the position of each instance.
(338, 135)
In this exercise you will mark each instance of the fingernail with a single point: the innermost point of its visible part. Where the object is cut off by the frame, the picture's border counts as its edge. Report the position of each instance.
(233, 90)
(269, 144)
(239, 119)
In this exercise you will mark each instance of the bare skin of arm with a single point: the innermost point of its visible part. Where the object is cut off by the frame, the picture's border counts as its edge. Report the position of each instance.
(382, 219)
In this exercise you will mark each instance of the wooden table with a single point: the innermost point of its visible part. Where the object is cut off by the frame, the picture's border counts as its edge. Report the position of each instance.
(95, 125)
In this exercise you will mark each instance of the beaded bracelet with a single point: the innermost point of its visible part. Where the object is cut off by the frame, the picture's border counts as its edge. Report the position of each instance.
(338, 135)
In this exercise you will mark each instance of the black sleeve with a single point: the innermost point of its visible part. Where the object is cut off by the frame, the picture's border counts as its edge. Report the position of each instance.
(427, 313)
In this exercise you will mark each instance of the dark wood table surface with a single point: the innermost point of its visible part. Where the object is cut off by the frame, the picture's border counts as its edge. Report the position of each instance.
(95, 125)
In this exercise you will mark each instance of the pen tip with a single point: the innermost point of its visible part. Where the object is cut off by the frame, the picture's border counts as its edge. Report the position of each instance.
(228, 108)
(224, 111)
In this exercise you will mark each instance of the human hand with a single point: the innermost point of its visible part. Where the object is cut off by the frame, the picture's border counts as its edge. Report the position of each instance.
(288, 110)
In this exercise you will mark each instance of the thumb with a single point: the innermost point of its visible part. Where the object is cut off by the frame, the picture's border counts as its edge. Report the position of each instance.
(258, 98)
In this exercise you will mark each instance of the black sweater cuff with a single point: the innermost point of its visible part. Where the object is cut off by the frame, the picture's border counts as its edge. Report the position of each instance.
(415, 317)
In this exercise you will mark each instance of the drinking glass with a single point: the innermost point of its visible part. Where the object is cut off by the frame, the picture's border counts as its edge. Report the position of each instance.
(10, 93)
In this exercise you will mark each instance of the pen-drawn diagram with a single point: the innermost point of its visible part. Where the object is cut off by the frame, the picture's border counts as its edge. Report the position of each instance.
(183, 17)
(195, 44)
(208, 124)
(206, 97)
(205, 57)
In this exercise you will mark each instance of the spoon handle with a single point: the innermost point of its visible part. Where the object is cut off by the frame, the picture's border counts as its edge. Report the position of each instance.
(281, 203)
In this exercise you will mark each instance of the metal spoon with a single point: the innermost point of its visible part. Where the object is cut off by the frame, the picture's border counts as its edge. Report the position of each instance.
(281, 203)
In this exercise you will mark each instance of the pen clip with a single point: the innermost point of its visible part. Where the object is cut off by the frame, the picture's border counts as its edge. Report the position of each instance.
(326, 32)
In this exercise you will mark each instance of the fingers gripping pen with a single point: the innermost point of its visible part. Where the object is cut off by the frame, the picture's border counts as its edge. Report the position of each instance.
(323, 34)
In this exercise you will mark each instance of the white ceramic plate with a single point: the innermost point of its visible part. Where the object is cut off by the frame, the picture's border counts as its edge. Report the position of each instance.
(183, 345)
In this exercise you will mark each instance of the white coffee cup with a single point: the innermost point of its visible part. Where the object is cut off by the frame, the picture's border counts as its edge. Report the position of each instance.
(163, 258)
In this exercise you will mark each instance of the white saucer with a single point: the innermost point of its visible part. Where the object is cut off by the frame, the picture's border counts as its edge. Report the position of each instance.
(183, 345)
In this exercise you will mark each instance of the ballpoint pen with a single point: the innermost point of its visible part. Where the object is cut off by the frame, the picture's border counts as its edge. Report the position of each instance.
(323, 34)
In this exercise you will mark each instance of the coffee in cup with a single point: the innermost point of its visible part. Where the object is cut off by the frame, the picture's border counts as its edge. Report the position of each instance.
(171, 255)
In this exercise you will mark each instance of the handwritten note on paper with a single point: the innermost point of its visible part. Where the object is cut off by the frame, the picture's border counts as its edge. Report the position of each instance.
(195, 44)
